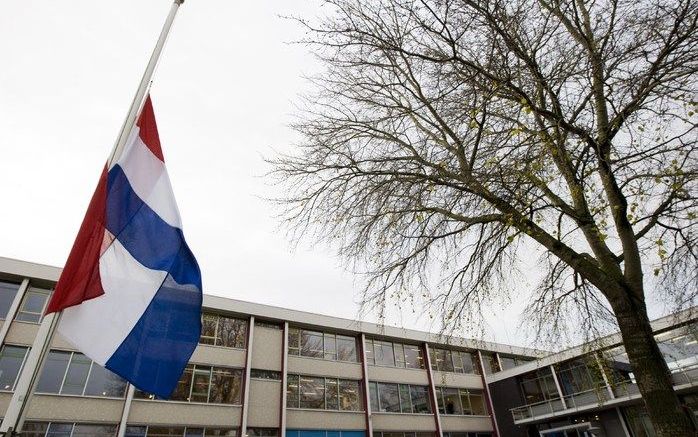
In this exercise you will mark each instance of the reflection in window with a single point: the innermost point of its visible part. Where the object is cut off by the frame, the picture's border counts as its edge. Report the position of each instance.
(679, 347)
(399, 398)
(385, 353)
(539, 386)
(8, 291)
(325, 345)
(198, 383)
(162, 431)
(56, 429)
(265, 374)
(323, 393)
(403, 434)
(75, 374)
(33, 303)
(460, 401)
(445, 360)
(11, 361)
(490, 363)
(263, 432)
(218, 330)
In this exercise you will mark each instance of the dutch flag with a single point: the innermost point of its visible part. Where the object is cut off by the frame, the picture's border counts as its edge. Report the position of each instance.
(131, 291)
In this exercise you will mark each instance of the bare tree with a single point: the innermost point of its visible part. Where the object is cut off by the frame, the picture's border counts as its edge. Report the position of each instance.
(445, 133)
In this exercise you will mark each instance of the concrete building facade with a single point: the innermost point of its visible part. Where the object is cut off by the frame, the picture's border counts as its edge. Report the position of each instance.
(267, 371)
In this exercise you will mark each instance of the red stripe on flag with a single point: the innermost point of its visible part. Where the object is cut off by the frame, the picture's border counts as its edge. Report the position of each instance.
(80, 278)
(149, 129)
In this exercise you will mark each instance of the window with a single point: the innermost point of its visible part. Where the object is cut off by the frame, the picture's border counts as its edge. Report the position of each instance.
(323, 393)
(490, 363)
(575, 376)
(55, 429)
(460, 401)
(168, 431)
(445, 360)
(539, 386)
(325, 345)
(679, 347)
(385, 353)
(11, 362)
(268, 325)
(32, 307)
(509, 362)
(8, 291)
(399, 398)
(403, 434)
(72, 373)
(322, 433)
(265, 374)
(213, 385)
(263, 432)
(218, 330)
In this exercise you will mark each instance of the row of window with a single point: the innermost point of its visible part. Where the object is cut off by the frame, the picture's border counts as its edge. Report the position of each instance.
(328, 346)
(177, 431)
(321, 393)
(445, 360)
(31, 309)
(11, 362)
(399, 398)
(460, 401)
(72, 373)
(211, 384)
(386, 353)
(55, 429)
(323, 433)
(218, 330)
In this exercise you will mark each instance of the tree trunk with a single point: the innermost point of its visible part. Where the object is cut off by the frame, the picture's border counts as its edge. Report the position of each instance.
(651, 371)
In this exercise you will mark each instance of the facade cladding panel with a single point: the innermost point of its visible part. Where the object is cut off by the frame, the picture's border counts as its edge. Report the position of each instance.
(408, 394)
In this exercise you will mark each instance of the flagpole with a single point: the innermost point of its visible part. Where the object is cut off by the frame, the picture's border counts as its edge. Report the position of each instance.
(13, 421)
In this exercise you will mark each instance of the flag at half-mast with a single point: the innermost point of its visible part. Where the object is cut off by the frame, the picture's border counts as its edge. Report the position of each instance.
(130, 291)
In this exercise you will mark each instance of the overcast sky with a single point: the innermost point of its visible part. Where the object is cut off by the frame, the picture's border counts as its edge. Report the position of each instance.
(223, 98)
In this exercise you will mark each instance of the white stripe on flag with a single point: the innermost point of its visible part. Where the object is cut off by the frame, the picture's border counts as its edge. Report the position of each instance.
(129, 287)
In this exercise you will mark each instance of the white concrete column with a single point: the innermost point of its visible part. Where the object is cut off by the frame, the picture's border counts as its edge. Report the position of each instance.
(246, 383)
(12, 312)
(284, 381)
(432, 389)
(367, 394)
(126, 410)
(558, 386)
(490, 405)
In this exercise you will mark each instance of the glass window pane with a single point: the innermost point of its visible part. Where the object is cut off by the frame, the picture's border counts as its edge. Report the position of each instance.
(312, 344)
(477, 404)
(490, 363)
(262, 432)
(165, 431)
(468, 363)
(292, 392)
(413, 357)
(201, 383)
(373, 395)
(102, 382)
(444, 360)
(82, 430)
(389, 397)
(183, 388)
(452, 401)
(294, 341)
(231, 332)
(34, 429)
(440, 400)
(432, 358)
(211, 432)
(8, 291)
(11, 359)
(76, 378)
(312, 392)
(53, 372)
(32, 307)
(330, 347)
(507, 362)
(420, 399)
(135, 431)
(405, 402)
(399, 355)
(349, 395)
(331, 394)
(226, 386)
(370, 354)
(346, 348)
(59, 429)
(384, 354)
(465, 402)
(265, 374)
(457, 361)
(208, 328)
(194, 432)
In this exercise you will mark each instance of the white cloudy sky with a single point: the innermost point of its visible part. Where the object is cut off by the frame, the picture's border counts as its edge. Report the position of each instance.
(223, 97)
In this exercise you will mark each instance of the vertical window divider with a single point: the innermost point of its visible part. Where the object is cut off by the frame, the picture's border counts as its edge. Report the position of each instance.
(210, 383)
(87, 378)
(12, 311)
(65, 372)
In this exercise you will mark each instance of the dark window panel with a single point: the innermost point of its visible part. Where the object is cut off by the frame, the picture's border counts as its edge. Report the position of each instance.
(330, 347)
(370, 355)
(312, 392)
(384, 354)
(102, 382)
(165, 431)
(209, 324)
(183, 389)
(389, 397)
(231, 332)
(346, 348)
(83, 430)
(136, 431)
(349, 395)
(32, 307)
(413, 357)
(420, 399)
(11, 361)
(405, 402)
(8, 291)
(76, 377)
(53, 372)
(451, 401)
(59, 430)
(294, 341)
(265, 374)
(312, 344)
(226, 386)
(331, 394)
(373, 395)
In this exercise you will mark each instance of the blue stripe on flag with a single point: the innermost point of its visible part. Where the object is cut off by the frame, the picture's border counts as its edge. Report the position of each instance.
(158, 348)
(148, 238)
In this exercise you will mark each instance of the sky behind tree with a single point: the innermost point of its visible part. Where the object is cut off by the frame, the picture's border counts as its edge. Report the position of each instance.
(223, 97)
